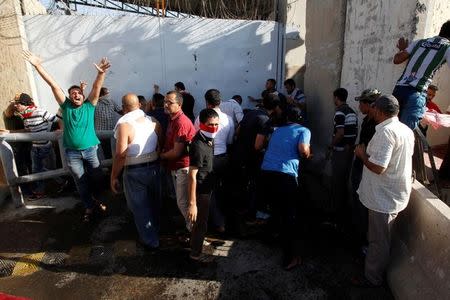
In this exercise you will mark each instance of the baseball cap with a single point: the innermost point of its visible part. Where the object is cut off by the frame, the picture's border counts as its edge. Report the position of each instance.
(369, 95)
(23, 99)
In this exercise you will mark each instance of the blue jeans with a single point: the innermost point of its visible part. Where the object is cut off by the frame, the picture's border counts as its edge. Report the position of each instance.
(85, 169)
(42, 159)
(412, 105)
(142, 187)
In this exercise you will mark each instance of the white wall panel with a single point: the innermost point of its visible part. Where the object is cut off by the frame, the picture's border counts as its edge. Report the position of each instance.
(234, 56)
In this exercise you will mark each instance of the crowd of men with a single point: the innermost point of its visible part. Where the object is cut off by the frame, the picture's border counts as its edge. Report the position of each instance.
(227, 161)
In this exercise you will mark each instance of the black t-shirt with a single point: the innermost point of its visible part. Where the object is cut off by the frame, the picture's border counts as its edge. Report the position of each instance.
(367, 130)
(201, 156)
(254, 122)
(188, 105)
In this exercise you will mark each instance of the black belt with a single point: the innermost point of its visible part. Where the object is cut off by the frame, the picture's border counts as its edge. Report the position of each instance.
(221, 155)
(146, 164)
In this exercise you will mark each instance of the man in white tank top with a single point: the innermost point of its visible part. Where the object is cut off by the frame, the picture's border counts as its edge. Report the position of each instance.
(137, 143)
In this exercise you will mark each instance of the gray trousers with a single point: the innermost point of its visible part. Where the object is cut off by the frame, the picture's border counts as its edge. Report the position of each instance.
(200, 226)
(379, 236)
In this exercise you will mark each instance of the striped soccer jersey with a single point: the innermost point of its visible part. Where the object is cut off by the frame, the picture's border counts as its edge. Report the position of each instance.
(425, 58)
(37, 120)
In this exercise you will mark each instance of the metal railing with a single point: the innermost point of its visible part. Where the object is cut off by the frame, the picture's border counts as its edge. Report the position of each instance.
(9, 161)
(421, 146)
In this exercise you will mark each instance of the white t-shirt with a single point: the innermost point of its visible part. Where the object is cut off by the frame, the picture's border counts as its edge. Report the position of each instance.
(232, 109)
(391, 147)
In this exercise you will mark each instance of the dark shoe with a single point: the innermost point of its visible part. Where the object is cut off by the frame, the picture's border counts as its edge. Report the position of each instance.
(202, 259)
(148, 249)
(62, 187)
(36, 196)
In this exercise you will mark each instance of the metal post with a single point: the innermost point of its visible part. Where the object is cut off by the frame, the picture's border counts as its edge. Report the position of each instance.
(280, 18)
(11, 174)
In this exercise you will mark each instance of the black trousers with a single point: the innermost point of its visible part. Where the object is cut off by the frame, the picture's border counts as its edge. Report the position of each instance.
(281, 193)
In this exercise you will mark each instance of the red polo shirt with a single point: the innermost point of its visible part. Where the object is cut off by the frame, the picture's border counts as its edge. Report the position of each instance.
(180, 129)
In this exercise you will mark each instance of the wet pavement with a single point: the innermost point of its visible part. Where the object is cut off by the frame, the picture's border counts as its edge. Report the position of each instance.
(47, 253)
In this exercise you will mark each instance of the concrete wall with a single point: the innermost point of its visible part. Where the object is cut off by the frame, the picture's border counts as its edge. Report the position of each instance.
(438, 13)
(295, 41)
(324, 40)
(33, 7)
(234, 56)
(420, 267)
(371, 33)
(14, 72)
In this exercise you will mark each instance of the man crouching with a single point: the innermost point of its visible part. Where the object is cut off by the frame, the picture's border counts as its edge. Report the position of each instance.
(137, 143)
(200, 178)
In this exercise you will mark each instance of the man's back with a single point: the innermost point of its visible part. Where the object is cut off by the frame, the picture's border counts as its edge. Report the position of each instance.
(232, 109)
(253, 123)
(425, 57)
(106, 114)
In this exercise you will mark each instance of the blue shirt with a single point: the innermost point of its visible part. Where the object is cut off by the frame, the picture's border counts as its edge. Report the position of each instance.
(282, 153)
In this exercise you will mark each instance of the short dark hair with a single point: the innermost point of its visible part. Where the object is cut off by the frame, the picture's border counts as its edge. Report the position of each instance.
(74, 87)
(238, 98)
(388, 105)
(445, 30)
(180, 85)
(212, 97)
(158, 100)
(178, 96)
(103, 91)
(274, 82)
(206, 114)
(24, 99)
(271, 101)
(142, 99)
(290, 82)
(294, 114)
(433, 87)
(341, 94)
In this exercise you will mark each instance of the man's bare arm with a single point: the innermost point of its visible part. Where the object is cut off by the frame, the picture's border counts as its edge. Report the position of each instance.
(402, 55)
(37, 63)
(192, 193)
(101, 67)
(360, 152)
(260, 142)
(338, 136)
(304, 150)
(175, 152)
(120, 156)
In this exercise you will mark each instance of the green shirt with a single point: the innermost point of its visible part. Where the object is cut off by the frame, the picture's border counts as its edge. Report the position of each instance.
(79, 131)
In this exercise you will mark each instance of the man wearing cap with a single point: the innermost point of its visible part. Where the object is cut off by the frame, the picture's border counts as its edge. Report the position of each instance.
(386, 183)
(35, 120)
(359, 212)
